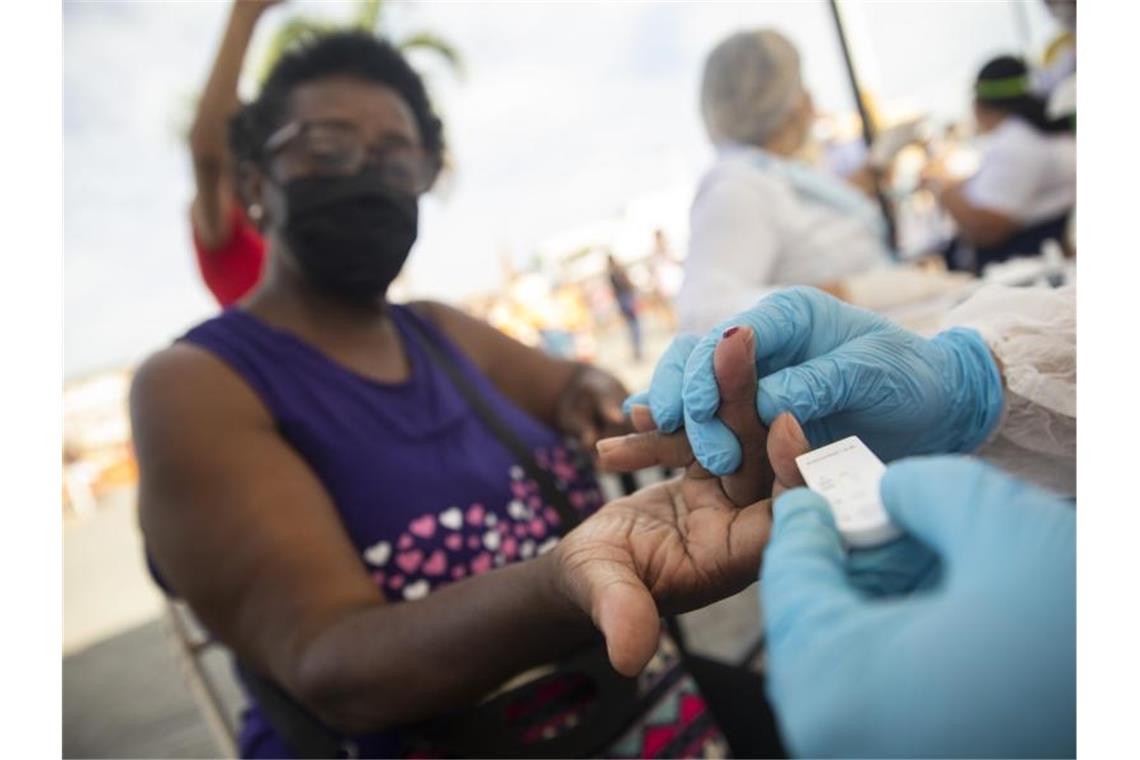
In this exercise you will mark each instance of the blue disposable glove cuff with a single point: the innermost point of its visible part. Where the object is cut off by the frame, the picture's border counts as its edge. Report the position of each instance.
(974, 384)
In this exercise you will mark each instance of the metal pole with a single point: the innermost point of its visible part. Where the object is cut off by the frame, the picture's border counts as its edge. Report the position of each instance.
(864, 117)
(1023, 27)
(852, 77)
(188, 649)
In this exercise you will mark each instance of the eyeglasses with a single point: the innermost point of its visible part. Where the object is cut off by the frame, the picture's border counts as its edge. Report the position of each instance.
(338, 148)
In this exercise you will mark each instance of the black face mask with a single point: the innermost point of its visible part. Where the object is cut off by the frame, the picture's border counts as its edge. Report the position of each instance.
(351, 235)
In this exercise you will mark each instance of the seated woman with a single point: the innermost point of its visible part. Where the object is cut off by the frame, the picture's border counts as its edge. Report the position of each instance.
(1026, 185)
(321, 486)
(761, 218)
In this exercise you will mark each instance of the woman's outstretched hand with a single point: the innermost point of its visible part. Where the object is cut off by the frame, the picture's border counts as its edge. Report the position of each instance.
(589, 408)
(684, 543)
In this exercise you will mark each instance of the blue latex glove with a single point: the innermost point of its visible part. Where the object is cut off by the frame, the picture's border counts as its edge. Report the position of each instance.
(841, 371)
(981, 664)
(664, 394)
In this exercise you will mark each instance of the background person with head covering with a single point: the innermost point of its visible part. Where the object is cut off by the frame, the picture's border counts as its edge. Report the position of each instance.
(1026, 184)
(761, 218)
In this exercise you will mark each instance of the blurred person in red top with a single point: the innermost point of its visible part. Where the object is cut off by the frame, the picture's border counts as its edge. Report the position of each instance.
(227, 241)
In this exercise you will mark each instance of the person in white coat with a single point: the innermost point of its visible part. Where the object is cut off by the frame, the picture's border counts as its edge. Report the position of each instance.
(761, 218)
(1025, 188)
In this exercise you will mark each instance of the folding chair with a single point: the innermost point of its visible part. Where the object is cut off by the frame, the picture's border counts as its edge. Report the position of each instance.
(191, 643)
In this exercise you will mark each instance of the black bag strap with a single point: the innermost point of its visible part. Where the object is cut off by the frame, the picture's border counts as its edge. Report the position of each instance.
(301, 731)
(552, 494)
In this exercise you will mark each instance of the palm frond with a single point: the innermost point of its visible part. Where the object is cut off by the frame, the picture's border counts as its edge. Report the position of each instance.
(438, 45)
(368, 14)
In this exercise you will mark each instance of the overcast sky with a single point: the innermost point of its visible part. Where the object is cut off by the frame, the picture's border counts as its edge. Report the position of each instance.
(567, 113)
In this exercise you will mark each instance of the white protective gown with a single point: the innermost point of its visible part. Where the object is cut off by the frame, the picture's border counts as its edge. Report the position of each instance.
(1033, 333)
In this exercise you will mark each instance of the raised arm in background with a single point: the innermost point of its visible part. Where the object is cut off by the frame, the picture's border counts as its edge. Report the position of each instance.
(209, 148)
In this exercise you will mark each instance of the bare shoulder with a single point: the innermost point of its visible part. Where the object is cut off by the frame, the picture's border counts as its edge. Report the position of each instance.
(184, 383)
(195, 425)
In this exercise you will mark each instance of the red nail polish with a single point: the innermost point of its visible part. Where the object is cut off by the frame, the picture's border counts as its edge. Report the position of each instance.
(730, 331)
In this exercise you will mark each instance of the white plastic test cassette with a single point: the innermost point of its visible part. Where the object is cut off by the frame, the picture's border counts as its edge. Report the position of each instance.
(847, 474)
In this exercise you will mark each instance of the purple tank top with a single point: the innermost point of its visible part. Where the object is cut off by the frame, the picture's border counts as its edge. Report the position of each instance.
(427, 494)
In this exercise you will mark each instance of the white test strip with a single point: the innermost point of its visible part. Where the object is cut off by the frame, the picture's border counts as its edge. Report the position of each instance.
(847, 474)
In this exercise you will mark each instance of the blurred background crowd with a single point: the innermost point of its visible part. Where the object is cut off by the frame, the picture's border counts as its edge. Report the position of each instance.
(613, 174)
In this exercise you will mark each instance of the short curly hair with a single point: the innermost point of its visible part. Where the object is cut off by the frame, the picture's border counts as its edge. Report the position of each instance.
(354, 53)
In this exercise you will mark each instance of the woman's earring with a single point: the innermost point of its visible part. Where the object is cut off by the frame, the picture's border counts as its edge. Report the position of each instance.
(255, 212)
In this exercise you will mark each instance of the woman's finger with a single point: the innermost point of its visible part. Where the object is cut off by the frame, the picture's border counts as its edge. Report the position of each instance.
(735, 370)
(588, 435)
(637, 451)
(611, 411)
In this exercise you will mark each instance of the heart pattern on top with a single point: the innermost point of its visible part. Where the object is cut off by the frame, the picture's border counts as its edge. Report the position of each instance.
(452, 519)
(481, 563)
(378, 553)
(445, 545)
(436, 564)
(417, 590)
(518, 511)
(424, 527)
(510, 548)
(410, 561)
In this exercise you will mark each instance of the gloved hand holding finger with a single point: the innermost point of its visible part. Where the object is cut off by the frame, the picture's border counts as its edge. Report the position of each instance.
(735, 374)
(665, 387)
(840, 371)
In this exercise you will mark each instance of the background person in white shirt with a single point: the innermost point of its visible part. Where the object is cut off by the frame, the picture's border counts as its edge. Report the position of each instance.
(1026, 184)
(761, 218)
